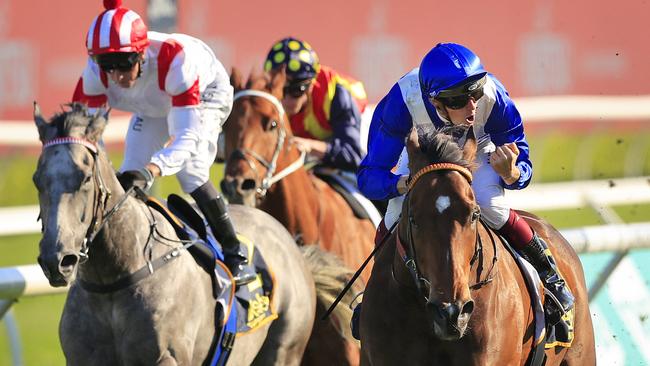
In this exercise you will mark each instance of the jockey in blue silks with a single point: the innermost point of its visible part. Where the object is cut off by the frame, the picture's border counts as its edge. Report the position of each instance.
(451, 87)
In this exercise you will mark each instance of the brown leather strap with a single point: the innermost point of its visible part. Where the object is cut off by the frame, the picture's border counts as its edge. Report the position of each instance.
(437, 167)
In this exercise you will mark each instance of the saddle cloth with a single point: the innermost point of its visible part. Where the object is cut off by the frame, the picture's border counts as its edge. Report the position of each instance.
(345, 186)
(239, 310)
(550, 335)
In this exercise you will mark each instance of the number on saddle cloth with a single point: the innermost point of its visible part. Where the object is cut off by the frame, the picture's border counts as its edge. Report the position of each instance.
(252, 307)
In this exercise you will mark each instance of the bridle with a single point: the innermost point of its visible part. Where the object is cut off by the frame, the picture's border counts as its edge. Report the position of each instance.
(271, 176)
(100, 217)
(408, 253)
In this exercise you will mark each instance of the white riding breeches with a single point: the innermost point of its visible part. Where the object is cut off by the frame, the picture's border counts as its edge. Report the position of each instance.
(486, 185)
(192, 149)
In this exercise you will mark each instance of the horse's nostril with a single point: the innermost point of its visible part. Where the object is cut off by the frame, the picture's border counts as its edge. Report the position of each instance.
(228, 188)
(248, 184)
(468, 307)
(66, 266)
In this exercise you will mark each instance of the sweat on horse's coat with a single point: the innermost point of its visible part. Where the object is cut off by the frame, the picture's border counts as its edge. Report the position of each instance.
(167, 318)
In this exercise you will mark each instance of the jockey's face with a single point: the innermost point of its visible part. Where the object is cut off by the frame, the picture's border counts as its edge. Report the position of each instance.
(122, 67)
(463, 116)
(125, 79)
(293, 101)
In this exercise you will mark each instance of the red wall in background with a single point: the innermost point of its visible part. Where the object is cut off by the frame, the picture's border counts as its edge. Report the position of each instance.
(536, 47)
(43, 52)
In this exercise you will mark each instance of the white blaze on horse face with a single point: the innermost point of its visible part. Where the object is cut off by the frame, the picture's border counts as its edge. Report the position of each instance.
(443, 203)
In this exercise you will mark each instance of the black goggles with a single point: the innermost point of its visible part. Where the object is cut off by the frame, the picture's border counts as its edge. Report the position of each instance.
(460, 101)
(296, 90)
(117, 62)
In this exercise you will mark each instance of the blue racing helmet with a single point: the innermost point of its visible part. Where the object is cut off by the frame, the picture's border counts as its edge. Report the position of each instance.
(449, 70)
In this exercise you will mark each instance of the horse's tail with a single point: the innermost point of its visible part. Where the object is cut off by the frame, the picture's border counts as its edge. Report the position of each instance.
(330, 277)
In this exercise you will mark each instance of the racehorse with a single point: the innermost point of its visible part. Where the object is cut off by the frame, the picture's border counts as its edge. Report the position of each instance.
(96, 233)
(444, 289)
(264, 168)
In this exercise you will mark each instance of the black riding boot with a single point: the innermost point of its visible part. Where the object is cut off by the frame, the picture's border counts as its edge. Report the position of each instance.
(214, 208)
(354, 322)
(538, 254)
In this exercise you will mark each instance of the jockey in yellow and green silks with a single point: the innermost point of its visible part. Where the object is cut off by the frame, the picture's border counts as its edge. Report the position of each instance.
(324, 107)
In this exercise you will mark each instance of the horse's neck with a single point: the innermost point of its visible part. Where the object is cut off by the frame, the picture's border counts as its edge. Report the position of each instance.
(295, 202)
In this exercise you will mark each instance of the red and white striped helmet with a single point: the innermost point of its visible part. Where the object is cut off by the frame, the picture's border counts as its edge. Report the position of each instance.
(117, 29)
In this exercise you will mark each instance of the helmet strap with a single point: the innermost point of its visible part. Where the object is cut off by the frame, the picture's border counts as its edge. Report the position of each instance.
(140, 64)
(442, 111)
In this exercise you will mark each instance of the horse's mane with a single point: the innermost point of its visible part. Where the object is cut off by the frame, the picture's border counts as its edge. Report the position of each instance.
(73, 116)
(441, 145)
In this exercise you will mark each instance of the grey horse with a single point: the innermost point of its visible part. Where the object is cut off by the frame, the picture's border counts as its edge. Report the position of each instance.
(94, 232)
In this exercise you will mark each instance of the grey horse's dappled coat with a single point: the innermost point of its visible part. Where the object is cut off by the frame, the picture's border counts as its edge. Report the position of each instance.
(168, 317)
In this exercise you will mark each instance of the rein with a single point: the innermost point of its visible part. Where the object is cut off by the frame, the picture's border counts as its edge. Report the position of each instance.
(98, 222)
(408, 252)
(271, 176)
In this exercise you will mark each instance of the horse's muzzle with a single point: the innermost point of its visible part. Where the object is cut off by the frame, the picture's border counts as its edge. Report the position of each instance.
(59, 268)
(239, 190)
(450, 319)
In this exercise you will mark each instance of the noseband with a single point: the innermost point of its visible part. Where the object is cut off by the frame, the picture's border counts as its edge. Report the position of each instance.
(408, 253)
(271, 177)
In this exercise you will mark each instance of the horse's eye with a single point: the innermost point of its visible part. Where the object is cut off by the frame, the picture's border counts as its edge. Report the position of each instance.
(87, 179)
(269, 123)
(476, 214)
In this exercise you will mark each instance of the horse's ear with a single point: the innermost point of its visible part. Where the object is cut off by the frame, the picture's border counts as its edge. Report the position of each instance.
(236, 79)
(96, 126)
(413, 149)
(45, 130)
(470, 146)
(412, 141)
(278, 79)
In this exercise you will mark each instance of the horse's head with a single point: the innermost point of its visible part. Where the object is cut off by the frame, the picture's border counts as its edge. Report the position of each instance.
(70, 188)
(439, 224)
(258, 137)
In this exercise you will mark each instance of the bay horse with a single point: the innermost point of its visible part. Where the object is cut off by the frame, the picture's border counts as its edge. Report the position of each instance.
(95, 233)
(265, 169)
(444, 289)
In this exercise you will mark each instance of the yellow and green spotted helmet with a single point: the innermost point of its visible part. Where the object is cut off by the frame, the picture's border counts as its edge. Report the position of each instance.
(300, 59)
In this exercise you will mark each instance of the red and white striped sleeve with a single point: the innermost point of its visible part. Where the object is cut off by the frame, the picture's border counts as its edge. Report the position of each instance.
(91, 88)
(178, 76)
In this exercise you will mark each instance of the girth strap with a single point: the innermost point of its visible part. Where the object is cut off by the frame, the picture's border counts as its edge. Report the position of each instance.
(136, 276)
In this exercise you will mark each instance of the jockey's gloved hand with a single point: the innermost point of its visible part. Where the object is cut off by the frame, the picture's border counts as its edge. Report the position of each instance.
(142, 179)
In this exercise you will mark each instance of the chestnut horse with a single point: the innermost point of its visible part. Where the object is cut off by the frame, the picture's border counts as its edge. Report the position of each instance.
(266, 169)
(444, 290)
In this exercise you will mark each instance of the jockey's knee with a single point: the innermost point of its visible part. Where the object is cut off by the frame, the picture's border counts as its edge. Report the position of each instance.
(495, 216)
(381, 233)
